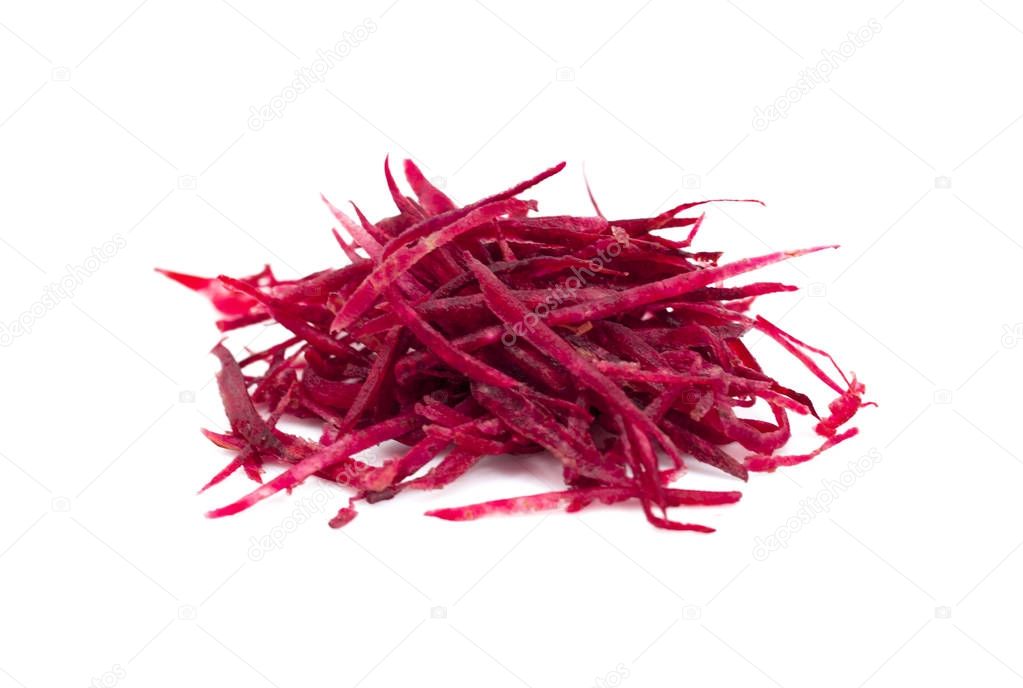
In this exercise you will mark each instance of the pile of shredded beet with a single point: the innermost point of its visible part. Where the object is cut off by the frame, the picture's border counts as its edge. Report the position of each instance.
(485, 329)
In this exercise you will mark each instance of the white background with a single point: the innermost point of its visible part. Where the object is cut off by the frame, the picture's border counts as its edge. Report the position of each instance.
(133, 120)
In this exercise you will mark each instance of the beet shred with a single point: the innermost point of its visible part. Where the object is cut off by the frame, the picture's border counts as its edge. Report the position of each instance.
(488, 330)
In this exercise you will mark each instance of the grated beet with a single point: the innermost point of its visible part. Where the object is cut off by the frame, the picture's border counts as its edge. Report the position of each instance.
(467, 331)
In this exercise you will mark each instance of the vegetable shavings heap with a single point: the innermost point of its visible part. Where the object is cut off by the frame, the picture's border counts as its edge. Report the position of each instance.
(488, 330)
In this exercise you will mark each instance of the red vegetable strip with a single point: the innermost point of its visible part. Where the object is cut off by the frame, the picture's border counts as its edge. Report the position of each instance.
(474, 303)
(639, 296)
(432, 224)
(733, 293)
(224, 440)
(226, 471)
(362, 238)
(370, 388)
(415, 458)
(703, 451)
(768, 463)
(273, 350)
(779, 336)
(436, 343)
(442, 414)
(241, 413)
(227, 301)
(432, 198)
(326, 457)
(347, 248)
(644, 225)
(399, 262)
(450, 468)
(405, 206)
(536, 367)
(669, 288)
(380, 236)
(297, 326)
(576, 499)
(467, 440)
(627, 371)
(538, 425)
(842, 409)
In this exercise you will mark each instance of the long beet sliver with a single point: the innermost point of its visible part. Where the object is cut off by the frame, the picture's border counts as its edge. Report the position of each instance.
(241, 413)
(576, 500)
(451, 467)
(580, 457)
(441, 348)
(671, 287)
(434, 223)
(362, 238)
(399, 262)
(432, 198)
(382, 368)
(768, 462)
(342, 449)
(404, 204)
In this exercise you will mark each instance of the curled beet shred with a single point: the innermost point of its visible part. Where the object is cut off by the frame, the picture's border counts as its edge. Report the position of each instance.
(485, 329)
